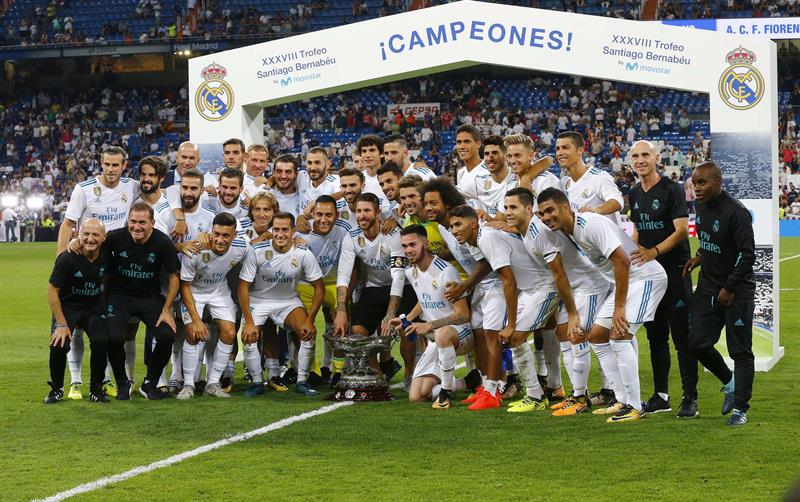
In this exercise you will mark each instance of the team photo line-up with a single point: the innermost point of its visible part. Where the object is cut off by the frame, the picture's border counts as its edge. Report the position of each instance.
(520, 272)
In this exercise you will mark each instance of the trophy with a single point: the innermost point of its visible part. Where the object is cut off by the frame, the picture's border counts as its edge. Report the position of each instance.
(360, 382)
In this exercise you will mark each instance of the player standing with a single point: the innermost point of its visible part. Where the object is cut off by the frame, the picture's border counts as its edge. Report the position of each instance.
(395, 149)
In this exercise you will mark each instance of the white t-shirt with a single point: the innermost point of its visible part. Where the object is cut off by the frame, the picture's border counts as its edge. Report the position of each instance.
(238, 211)
(197, 221)
(290, 202)
(275, 275)
(430, 285)
(422, 172)
(488, 192)
(207, 271)
(309, 193)
(599, 238)
(466, 179)
(383, 260)
(539, 184)
(462, 253)
(592, 189)
(92, 199)
(584, 279)
(502, 249)
(327, 249)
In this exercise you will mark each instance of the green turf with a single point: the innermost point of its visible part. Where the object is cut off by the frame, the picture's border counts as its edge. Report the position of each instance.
(395, 451)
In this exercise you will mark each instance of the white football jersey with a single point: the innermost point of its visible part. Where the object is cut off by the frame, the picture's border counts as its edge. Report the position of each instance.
(383, 260)
(207, 271)
(592, 189)
(540, 183)
(583, 278)
(161, 199)
(598, 237)
(429, 286)
(503, 249)
(92, 199)
(290, 202)
(309, 193)
(489, 192)
(238, 211)
(466, 179)
(328, 248)
(346, 214)
(198, 221)
(461, 252)
(274, 275)
(371, 185)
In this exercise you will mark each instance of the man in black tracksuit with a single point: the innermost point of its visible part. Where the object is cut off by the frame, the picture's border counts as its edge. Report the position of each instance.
(725, 290)
(658, 210)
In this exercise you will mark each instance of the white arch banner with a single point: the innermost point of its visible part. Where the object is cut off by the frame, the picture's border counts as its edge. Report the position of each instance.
(230, 89)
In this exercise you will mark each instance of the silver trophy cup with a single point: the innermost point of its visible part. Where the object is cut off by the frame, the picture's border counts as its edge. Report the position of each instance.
(360, 382)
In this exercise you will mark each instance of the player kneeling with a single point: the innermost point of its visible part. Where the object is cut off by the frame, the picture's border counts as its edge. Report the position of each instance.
(204, 285)
(447, 323)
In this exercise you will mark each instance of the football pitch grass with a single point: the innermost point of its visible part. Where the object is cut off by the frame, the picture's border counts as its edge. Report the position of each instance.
(386, 451)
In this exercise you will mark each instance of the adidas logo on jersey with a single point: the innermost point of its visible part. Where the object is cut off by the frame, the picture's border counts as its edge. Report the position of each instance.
(680, 304)
(636, 206)
(78, 274)
(123, 254)
(738, 323)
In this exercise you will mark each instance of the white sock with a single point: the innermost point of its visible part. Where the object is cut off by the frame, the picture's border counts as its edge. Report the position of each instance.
(305, 359)
(569, 358)
(189, 354)
(130, 359)
(221, 358)
(75, 356)
(162, 380)
(635, 344)
(581, 364)
(604, 381)
(608, 361)
(273, 367)
(435, 391)
(201, 352)
(523, 360)
(109, 376)
(447, 362)
(459, 384)
(252, 361)
(293, 349)
(177, 363)
(628, 371)
(551, 359)
(230, 367)
(490, 386)
(663, 396)
(541, 365)
(327, 351)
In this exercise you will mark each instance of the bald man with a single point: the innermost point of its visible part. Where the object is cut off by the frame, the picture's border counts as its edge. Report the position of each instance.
(188, 158)
(660, 217)
(76, 300)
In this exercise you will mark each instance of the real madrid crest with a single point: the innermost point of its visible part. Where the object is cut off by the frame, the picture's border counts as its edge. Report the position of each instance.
(741, 86)
(124, 198)
(233, 263)
(487, 184)
(345, 215)
(362, 241)
(382, 250)
(206, 257)
(435, 284)
(97, 191)
(268, 255)
(214, 97)
(295, 263)
(415, 272)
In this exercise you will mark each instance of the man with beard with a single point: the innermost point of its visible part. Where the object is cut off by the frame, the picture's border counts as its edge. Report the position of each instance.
(314, 182)
(446, 324)
(352, 183)
(389, 175)
(228, 199)
(269, 277)
(151, 173)
(204, 285)
(487, 190)
(198, 220)
(395, 149)
(283, 185)
(382, 265)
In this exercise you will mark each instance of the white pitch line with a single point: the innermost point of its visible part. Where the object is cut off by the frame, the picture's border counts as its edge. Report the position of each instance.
(790, 258)
(180, 457)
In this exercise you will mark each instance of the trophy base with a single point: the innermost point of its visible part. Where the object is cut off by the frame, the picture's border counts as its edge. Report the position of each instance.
(361, 395)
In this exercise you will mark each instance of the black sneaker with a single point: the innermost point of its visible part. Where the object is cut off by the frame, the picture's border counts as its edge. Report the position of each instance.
(443, 401)
(473, 380)
(149, 391)
(602, 398)
(737, 418)
(727, 403)
(390, 368)
(688, 408)
(98, 396)
(542, 380)
(226, 383)
(326, 375)
(290, 376)
(335, 378)
(512, 388)
(200, 386)
(124, 391)
(314, 380)
(247, 376)
(54, 396)
(656, 404)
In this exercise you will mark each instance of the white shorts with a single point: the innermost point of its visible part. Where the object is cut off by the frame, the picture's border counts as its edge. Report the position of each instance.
(220, 306)
(587, 306)
(428, 362)
(488, 307)
(277, 310)
(640, 306)
(534, 309)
